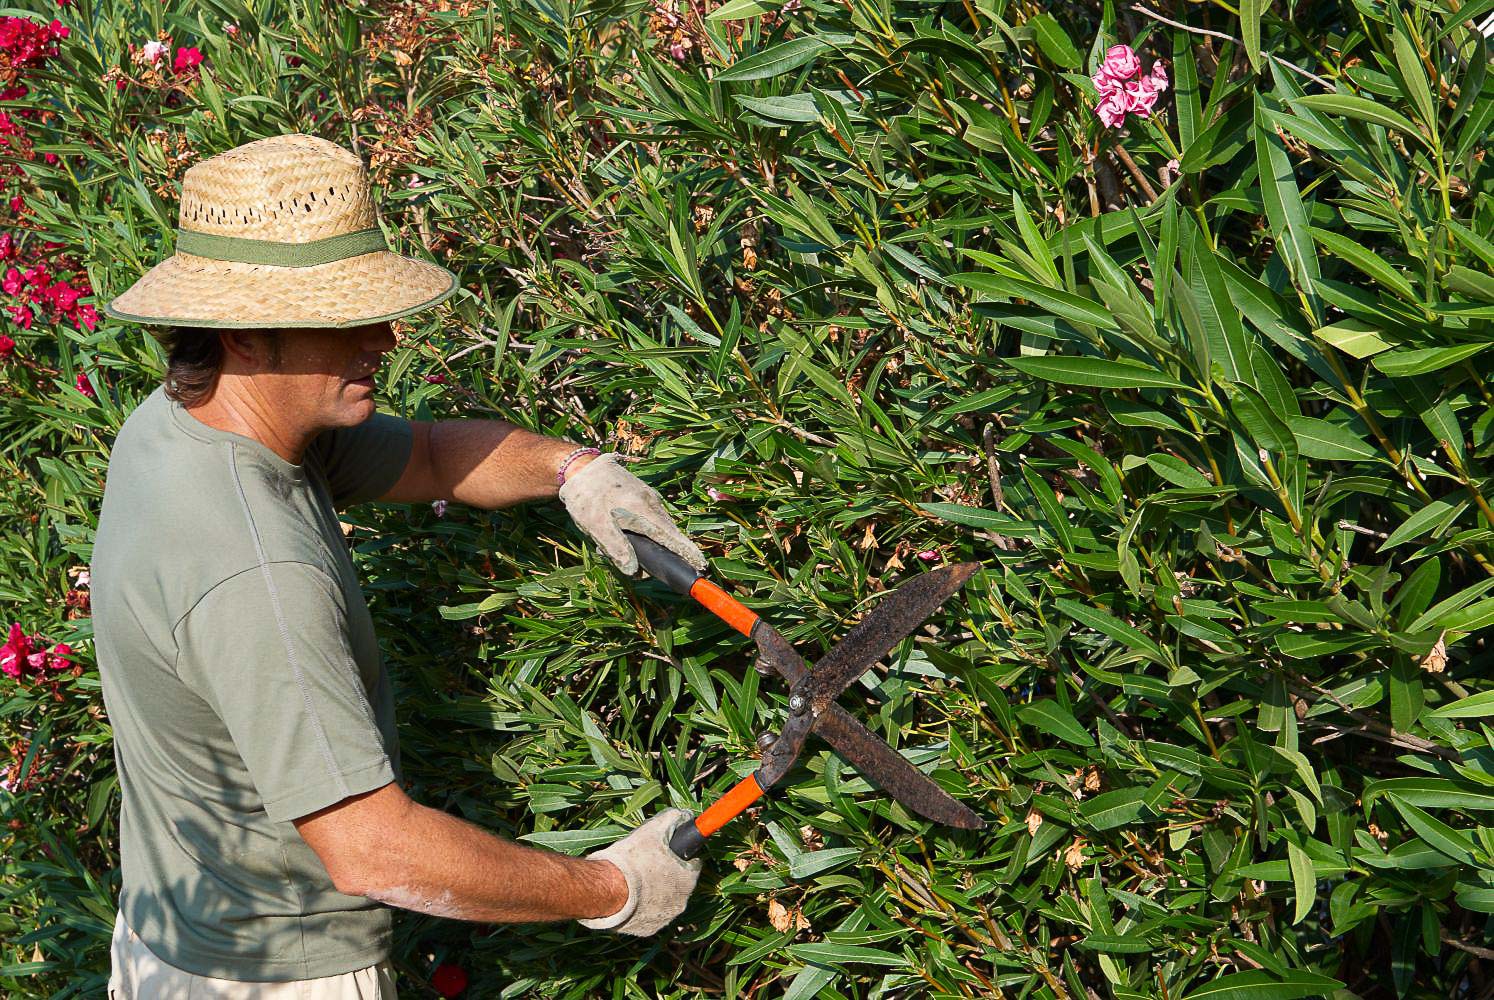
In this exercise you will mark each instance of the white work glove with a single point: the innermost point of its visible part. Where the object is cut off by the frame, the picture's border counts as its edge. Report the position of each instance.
(659, 882)
(604, 498)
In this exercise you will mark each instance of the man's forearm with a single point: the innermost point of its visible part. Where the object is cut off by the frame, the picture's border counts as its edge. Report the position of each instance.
(492, 463)
(439, 864)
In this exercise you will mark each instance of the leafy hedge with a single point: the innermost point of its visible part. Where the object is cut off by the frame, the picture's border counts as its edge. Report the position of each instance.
(864, 284)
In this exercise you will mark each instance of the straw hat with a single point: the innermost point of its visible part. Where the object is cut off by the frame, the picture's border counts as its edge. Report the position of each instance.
(280, 232)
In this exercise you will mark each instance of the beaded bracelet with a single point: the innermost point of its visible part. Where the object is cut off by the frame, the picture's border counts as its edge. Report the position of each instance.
(560, 475)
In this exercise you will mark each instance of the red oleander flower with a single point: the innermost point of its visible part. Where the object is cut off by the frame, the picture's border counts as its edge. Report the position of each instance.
(186, 60)
(57, 656)
(449, 980)
(7, 347)
(84, 386)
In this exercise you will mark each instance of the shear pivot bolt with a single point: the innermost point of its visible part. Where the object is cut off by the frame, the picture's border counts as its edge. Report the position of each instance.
(765, 741)
(797, 703)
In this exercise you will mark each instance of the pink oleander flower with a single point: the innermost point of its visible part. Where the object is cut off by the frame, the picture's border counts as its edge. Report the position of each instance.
(37, 275)
(84, 386)
(1159, 76)
(1112, 110)
(7, 246)
(186, 59)
(23, 316)
(1123, 90)
(7, 347)
(13, 281)
(1121, 62)
(929, 555)
(1141, 97)
(717, 495)
(37, 661)
(439, 506)
(230, 29)
(57, 656)
(153, 51)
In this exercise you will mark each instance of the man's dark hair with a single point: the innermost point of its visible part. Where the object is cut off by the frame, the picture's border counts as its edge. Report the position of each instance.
(194, 359)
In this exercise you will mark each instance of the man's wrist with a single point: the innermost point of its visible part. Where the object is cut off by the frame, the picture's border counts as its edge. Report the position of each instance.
(612, 889)
(573, 462)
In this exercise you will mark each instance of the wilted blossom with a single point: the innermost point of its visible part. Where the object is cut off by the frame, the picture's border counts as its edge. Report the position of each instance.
(929, 555)
(153, 51)
(439, 506)
(717, 495)
(84, 386)
(230, 29)
(1122, 88)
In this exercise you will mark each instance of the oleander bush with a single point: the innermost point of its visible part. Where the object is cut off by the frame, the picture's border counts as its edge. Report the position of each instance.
(1189, 348)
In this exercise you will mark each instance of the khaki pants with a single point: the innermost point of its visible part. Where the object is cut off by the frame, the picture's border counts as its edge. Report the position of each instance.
(136, 974)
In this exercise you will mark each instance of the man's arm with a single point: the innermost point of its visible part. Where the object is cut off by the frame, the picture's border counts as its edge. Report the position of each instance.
(385, 846)
(481, 463)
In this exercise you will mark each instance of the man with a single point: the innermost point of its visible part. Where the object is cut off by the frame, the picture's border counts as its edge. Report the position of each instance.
(263, 826)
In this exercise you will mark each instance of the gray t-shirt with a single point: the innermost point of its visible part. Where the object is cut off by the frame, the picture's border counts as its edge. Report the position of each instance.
(245, 687)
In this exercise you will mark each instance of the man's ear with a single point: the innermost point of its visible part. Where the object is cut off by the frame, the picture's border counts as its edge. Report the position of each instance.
(255, 348)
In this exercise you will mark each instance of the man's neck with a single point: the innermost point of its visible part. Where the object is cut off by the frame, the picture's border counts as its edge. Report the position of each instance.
(238, 408)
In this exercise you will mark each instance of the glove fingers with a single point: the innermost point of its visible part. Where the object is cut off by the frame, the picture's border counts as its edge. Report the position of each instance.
(658, 527)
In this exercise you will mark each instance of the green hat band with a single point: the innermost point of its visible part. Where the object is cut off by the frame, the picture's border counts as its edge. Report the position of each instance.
(323, 251)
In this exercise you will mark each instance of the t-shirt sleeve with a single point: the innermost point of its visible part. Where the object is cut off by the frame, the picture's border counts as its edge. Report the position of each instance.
(268, 649)
(365, 461)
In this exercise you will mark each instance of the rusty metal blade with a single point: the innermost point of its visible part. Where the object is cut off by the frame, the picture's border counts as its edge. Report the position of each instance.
(892, 621)
(884, 766)
(876, 761)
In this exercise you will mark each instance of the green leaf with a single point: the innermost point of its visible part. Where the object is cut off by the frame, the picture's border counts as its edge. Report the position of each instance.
(1371, 264)
(1112, 809)
(780, 59)
(1414, 75)
(1304, 882)
(1335, 442)
(1354, 337)
(1283, 204)
(1475, 706)
(832, 953)
(1265, 428)
(1111, 626)
(1052, 718)
(1074, 308)
(1456, 844)
(1054, 41)
(1250, 30)
(1420, 522)
(735, 10)
(1096, 373)
(1400, 364)
(1363, 109)
(1258, 984)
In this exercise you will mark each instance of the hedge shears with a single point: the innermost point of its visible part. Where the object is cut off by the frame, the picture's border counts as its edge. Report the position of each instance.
(812, 692)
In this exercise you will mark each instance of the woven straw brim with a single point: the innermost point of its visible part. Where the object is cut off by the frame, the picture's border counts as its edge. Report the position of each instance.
(185, 290)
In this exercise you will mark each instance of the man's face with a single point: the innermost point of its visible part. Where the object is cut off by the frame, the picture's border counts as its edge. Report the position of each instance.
(324, 374)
